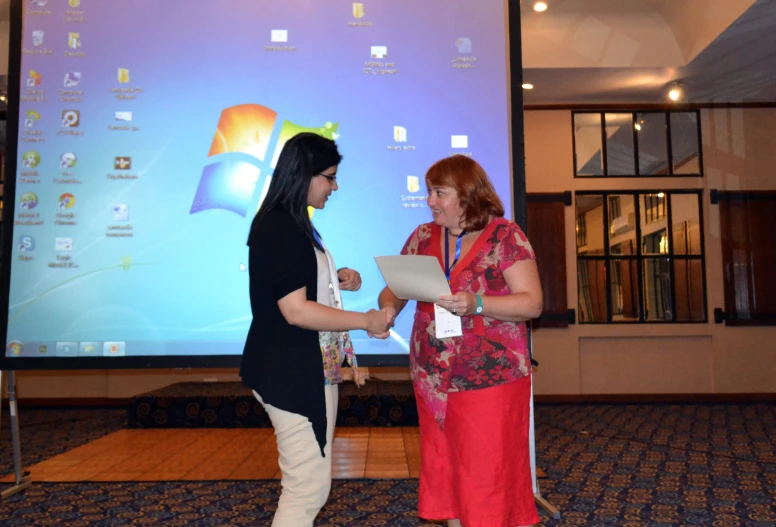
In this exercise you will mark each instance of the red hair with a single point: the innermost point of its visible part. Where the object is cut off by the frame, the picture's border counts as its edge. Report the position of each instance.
(475, 191)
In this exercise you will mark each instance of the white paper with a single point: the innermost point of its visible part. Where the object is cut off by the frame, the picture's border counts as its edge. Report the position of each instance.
(413, 277)
(447, 324)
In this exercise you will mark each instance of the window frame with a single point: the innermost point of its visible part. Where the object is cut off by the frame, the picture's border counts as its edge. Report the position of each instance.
(639, 257)
(634, 113)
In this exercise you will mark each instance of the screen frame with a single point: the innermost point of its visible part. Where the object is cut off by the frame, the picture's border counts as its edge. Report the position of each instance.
(518, 187)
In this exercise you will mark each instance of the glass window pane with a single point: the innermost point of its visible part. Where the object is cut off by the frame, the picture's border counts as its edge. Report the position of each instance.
(657, 290)
(624, 293)
(591, 287)
(688, 290)
(590, 220)
(686, 228)
(684, 143)
(653, 148)
(622, 224)
(620, 154)
(588, 144)
(654, 223)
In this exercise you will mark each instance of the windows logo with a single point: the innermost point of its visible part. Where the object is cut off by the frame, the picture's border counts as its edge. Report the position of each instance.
(238, 161)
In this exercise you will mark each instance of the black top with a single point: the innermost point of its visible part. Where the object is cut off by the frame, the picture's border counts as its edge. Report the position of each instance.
(280, 361)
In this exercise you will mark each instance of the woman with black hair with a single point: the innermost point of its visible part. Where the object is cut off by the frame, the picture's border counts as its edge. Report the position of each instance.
(299, 335)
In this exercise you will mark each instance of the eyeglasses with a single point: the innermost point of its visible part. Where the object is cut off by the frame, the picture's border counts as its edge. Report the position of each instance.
(332, 178)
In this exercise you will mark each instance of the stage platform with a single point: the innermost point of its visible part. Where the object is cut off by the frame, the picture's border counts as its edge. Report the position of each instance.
(232, 405)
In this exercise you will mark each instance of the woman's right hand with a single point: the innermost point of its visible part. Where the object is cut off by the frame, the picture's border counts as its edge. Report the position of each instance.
(390, 314)
(377, 322)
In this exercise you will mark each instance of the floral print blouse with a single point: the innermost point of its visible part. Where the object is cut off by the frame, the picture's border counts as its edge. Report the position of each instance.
(490, 351)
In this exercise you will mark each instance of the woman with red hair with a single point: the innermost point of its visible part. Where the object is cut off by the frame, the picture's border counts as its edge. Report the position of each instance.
(473, 391)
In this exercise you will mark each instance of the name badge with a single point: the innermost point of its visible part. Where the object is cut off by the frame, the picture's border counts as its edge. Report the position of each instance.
(447, 324)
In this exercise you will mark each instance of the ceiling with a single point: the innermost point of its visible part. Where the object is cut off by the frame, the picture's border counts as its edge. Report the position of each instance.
(630, 51)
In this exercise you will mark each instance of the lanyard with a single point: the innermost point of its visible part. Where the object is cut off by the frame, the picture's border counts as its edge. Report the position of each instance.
(448, 267)
(317, 237)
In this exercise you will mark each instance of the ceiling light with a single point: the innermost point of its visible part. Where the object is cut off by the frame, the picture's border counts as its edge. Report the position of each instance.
(661, 195)
(540, 7)
(527, 86)
(675, 92)
(638, 127)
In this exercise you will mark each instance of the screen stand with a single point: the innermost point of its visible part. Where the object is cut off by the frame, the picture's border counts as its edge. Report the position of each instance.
(542, 503)
(22, 480)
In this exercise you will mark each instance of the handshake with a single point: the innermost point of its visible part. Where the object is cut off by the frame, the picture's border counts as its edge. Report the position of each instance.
(379, 323)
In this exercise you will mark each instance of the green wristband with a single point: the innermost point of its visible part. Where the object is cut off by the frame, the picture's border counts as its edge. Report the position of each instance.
(478, 309)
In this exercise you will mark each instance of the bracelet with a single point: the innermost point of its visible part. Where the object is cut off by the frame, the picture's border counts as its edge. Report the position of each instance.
(478, 309)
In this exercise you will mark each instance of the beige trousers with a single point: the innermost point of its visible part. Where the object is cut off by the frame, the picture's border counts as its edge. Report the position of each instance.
(305, 474)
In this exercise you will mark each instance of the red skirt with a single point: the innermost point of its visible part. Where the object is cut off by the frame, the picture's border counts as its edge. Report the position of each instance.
(477, 468)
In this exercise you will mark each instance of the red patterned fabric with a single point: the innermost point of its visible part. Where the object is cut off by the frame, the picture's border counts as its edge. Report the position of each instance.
(490, 352)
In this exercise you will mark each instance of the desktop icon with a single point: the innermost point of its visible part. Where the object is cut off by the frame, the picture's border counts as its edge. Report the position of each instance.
(39, 3)
(34, 79)
(71, 118)
(399, 134)
(464, 45)
(26, 243)
(123, 75)
(63, 244)
(279, 35)
(459, 141)
(74, 3)
(67, 160)
(72, 78)
(413, 184)
(120, 213)
(30, 159)
(28, 201)
(122, 163)
(66, 201)
(73, 40)
(379, 52)
(37, 37)
(358, 10)
(32, 117)
(124, 116)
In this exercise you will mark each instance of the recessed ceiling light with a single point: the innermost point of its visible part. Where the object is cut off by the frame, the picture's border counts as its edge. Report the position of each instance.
(540, 7)
(675, 92)
(527, 86)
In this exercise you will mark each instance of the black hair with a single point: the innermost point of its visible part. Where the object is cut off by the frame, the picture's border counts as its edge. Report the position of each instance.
(303, 157)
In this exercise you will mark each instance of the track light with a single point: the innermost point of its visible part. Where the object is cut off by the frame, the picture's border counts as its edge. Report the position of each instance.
(528, 86)
(540, 7)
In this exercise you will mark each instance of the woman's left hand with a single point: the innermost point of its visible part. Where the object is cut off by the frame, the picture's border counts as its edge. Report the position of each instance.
(460, 304)
(349, 279)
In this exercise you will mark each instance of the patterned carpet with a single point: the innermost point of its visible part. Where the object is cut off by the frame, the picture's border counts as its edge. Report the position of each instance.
(608, 465)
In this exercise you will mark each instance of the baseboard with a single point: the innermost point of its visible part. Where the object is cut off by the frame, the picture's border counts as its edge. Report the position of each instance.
(658, 398)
